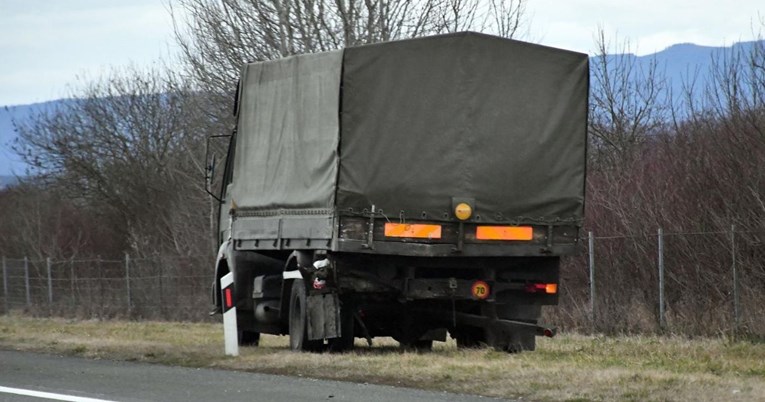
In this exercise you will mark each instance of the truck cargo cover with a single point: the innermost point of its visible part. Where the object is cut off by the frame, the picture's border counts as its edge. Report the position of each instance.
(408, 125)
(287, 139)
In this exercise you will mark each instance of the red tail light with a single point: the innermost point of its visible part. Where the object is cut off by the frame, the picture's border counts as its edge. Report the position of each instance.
(229, 298)
(548, 288)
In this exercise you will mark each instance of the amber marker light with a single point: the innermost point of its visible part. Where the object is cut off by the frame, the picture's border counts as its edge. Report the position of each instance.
(463, 211)
(504, 233)
(551, 288)
(417, 231)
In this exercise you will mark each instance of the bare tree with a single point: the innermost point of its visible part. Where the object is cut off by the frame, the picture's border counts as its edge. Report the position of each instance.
(735, 108)
(627, 101)
(217, 37)
(694, 170)
(509, 18)
(128, 147)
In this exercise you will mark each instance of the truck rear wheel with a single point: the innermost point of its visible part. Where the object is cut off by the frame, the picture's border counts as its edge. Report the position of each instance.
(419, 345)
(248, 338)
(517, 339)
(522, 341)
(298, 322)
(511, 342)
(469, 337)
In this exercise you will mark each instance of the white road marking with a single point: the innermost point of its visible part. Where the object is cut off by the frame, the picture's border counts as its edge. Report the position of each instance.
(48, 395)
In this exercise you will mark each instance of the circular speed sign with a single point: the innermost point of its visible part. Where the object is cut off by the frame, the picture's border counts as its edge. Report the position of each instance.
(480, 290)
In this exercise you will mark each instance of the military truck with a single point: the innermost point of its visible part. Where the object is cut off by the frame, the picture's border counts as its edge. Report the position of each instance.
(404, 189)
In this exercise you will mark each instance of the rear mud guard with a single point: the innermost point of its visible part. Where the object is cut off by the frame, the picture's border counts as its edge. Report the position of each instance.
(323, 316)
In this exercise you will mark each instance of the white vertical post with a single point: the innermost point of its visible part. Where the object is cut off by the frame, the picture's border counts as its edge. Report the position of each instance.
(736, 305)
(591, 252)
(26, 281)
(662, 322)
(50, 281)
(228, 304)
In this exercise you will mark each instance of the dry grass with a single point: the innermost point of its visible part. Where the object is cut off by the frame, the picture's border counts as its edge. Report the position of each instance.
(569, 367)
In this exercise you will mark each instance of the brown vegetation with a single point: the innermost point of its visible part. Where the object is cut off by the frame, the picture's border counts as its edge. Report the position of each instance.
(694, 170)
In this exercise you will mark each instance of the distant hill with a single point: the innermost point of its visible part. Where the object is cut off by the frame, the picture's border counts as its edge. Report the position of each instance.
(10, 163)
(678, 62)
(681, 62)
(6, 181)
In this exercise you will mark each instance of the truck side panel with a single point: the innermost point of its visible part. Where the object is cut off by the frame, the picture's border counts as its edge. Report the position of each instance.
(288, 134)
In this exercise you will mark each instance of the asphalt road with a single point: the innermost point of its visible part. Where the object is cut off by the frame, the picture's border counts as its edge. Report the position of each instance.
(34, 377)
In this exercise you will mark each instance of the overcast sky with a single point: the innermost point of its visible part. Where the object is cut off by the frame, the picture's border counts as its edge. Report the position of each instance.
(46, 44)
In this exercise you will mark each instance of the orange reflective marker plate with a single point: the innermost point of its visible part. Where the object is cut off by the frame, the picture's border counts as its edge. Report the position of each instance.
(504, 233)
(480, 290)
(415, 230)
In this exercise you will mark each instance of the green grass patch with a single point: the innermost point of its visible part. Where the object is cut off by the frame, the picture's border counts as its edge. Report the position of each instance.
(568, 367)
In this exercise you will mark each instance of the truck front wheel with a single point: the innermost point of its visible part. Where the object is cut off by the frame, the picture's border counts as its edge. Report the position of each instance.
(298, 322)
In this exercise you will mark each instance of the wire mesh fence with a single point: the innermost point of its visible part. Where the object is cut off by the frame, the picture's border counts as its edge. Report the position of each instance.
(161, 287)
(694, 283)
(681, 282)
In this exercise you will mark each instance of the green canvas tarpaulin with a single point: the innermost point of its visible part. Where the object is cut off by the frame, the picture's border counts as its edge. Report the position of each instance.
(408, 125)
(286, 145)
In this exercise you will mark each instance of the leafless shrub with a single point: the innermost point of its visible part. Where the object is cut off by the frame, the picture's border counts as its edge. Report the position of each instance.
(696, 173)
(127, 148)
(627, 102)
(217, 37)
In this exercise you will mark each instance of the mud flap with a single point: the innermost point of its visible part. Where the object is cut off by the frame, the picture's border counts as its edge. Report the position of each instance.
(323, 316)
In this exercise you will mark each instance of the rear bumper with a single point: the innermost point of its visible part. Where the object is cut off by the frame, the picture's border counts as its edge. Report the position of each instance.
(452, 250)
(490, 322)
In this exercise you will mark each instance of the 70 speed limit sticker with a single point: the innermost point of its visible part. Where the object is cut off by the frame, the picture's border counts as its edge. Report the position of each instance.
(480, 290)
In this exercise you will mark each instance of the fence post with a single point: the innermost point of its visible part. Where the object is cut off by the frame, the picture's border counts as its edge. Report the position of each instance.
(26, 282)
(161, 291)
(662, 322)
(71, 284)
(5, 286)
(591, 252)
(50, 281)
(127, 283)
(736, 306)
(100, 287)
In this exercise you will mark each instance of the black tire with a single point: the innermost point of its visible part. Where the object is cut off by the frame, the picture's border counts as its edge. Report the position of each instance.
(248, 338)
(510, 342)
(417, 346)
(522, 341)
(470, 338)
(518, 339)
(345, 342)
(298, 321)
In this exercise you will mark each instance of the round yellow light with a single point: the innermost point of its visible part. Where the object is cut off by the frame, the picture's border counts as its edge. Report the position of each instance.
(463, 211)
